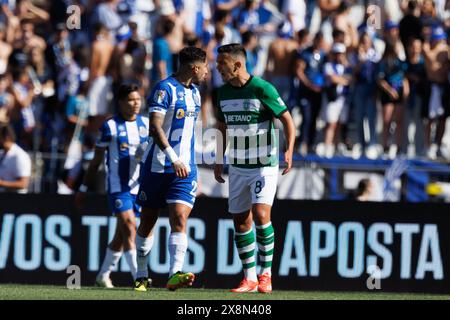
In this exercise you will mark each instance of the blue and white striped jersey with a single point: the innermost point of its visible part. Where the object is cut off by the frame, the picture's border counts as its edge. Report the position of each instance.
(181, 106)
(122, 138)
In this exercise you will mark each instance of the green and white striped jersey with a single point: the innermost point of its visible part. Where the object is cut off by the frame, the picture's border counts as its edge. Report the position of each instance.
(248, 112)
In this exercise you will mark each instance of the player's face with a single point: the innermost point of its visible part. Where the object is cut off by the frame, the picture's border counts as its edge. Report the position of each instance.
(200, 71)
(132, 105)
(226, 66)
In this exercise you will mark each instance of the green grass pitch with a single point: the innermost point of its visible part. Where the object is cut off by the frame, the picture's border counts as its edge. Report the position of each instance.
(40, 292)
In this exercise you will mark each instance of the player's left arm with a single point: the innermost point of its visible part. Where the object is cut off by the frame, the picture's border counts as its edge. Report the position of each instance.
(19, 183)
(289, 133)
(276, 105)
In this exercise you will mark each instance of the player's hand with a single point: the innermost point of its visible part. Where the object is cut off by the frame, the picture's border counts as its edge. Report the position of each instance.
(315, 88)
(80, 198)
(218, 169)
(394, 94)
(288, 161)
(180, 169)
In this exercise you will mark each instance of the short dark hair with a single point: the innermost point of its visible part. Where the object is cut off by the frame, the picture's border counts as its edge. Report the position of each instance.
(338, 33)
(220, 15)
(167, 26)
(6, 131)
(125, 89)
(247, 36)
(190, 55)
(412, 5)
(301, 34)
(190, 39)
(362, 186)
(233, 49)
(98, 26)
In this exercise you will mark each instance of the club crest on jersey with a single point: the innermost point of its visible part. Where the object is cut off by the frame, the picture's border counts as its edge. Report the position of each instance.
(123, 146)
(196, 99)
(180, 114)
(143, 132)
(159, 96)
(121, 128)
(118, 203)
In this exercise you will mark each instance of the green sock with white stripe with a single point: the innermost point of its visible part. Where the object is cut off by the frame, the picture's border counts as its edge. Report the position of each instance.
(265, 236)
(246, 244)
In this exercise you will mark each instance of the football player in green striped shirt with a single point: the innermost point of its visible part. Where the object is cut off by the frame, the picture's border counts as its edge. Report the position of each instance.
(248, 106)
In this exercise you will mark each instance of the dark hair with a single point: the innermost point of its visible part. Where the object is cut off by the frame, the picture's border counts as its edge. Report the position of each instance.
(247, 36)
(234, 49)
(219, 33)
(125, 89)
(167, 26)
(81, 55)
(362, 186)
(190, 39)
(26, 21)
(390, 54)
(6, 131)
(412, 5)
(248, 3)
(338, 33)
(190, 55)
(220, 15)
(343, 7)
(98, 26)
(302, 33)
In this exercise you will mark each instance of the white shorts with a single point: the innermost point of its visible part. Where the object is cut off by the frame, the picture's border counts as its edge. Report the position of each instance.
(336, 111)
(98, 96)
(250, 186)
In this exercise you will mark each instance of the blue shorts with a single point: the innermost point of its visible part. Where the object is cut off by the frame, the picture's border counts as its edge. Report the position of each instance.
(123, 201)
(158, 189)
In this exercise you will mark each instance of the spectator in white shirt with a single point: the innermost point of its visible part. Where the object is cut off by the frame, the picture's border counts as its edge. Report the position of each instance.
(15, 163)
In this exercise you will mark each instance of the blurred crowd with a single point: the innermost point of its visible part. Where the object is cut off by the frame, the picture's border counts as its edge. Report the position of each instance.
(362, 78)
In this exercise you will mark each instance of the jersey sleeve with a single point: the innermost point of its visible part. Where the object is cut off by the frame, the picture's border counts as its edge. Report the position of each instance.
(105, 135)
(272, 100)
(159, 99)
(24, 166)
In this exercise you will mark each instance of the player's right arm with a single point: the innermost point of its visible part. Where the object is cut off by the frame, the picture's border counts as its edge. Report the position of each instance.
(158, 135)
(300, 67)
(159, 102)
(95, 163)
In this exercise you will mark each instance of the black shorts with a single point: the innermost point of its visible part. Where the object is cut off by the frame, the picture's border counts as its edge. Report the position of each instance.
(386, 98)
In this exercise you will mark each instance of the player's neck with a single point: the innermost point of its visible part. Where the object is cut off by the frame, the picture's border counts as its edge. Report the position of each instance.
(185, 80)
(7, 146)
(240, 80)
(128, 117)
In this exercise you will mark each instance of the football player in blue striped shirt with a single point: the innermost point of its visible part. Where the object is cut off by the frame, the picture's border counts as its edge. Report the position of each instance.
(169, 173)
(121, 141)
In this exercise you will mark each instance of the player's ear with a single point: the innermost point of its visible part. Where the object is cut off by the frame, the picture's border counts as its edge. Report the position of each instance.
(195, 69)
(237, 65)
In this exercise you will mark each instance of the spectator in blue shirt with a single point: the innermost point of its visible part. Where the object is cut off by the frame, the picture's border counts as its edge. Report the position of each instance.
(309, 72)
(250, 43)
(162, 57)
(394, 87)
(364, 98)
